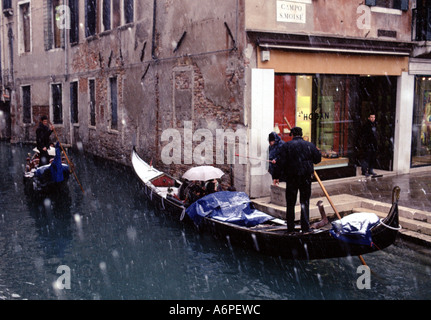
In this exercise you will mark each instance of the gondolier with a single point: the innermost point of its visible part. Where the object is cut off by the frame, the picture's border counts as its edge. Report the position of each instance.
(42, 139)
(295, 163)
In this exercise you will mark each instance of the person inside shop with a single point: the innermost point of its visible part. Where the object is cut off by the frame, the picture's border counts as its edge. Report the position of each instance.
(43, 143)
(369, 143)
(295, 165)
(275, 144)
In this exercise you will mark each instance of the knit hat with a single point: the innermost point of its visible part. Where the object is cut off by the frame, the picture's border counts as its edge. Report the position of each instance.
(271, 136)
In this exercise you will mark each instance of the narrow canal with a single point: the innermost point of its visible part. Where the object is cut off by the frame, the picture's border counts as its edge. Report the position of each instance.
(117, 247)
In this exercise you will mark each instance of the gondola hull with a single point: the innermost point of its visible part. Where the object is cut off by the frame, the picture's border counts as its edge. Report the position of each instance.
(267, 238)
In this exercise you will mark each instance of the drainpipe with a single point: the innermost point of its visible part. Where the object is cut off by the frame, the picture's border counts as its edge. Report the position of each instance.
(153, 44)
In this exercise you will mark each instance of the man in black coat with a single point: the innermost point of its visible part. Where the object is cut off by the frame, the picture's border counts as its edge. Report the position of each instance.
(42, 139)
(369, 145)
(296, 166)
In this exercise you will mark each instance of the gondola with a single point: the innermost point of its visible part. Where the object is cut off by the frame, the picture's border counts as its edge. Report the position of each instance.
(42, 179)
(271, 237)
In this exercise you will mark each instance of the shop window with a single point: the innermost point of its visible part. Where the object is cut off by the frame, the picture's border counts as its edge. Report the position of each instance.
(330, 109)
(56, 103)
(92, 101)
(26, 104)
(74, 102)
(421, 135)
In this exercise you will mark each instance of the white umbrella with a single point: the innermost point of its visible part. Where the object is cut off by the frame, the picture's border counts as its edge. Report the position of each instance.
(203, 173)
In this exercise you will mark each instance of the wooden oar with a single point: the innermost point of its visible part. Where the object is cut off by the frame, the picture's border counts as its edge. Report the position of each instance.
(67, 159)
(333, 206)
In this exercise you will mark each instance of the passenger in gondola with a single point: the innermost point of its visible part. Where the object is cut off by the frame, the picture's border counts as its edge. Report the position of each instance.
(194, 192)
(42, 139)
(212, 186)
(182, 191)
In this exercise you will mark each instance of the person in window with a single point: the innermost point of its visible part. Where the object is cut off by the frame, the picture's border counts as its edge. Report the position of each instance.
(42, 139)
(296, 165)
(369, 138)
(275, 144)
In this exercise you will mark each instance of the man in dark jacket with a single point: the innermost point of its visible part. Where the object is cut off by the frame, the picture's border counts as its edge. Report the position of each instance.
(42, 139)
(369, 145)
(275, 144)
(296, 166)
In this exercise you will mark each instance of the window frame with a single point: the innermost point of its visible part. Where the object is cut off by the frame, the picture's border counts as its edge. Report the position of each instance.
(51, 103)
(25, 107)
(22, 48)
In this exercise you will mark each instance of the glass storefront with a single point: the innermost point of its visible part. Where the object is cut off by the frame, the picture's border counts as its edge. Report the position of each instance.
(421, 135)
(331, 110)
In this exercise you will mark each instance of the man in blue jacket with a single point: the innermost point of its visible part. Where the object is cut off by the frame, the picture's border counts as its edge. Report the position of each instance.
(296, 166)
(275, 144)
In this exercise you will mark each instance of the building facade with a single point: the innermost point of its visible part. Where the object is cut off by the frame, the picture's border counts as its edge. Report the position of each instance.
(191, 84)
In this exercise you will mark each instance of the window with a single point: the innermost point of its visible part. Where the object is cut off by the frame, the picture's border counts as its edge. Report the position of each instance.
(90, 17)
(421, 21)
(26, 104)
(56, 103)
(421, 137)
(92, 101)
(74, 102)
(330, 109)
(7, 4)
(391, 4)
(56, 31)
(106, 15)
(128, 11)
(116, 13)
(25, 27)
(74, 21)
(113, 103)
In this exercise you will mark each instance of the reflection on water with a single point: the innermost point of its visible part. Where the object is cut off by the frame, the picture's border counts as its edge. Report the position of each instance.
(118, 247)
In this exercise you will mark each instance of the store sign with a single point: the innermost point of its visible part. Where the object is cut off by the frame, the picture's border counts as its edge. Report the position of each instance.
(288, 11)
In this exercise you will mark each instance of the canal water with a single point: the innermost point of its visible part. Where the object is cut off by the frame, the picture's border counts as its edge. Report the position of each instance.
(109, 243)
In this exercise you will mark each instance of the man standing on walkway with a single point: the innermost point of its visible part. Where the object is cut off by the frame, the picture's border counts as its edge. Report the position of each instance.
(369, 146)
(296, 163)
(275, 144)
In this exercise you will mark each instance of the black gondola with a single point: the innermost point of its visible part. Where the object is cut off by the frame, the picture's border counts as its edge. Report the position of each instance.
(270, 237)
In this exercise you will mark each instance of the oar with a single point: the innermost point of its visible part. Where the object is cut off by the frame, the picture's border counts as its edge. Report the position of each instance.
(68, 161)
(333, 206)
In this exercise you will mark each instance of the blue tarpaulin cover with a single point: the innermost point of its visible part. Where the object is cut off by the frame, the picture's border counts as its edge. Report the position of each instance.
(227, 206)
(56, 169)
(355, 228)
